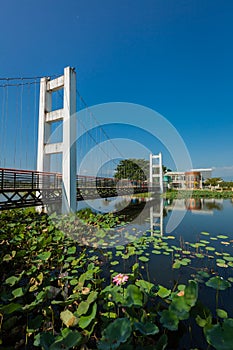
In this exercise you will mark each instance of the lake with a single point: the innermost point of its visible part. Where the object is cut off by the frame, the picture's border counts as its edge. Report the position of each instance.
(205, 222)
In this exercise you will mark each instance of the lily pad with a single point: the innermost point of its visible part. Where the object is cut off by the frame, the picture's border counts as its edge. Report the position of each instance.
(191, 293)
(222, 236)
(157, 252)
(169, 320)
(228, 258)
(203, 274)
(176, 264)
(67, 340)
(222, 313)
(116, 333)
(218, 283)
(146, 328)
(143, 258)
(84, 321)
(222, 265)
(199, 256)
(144, 285)
(205, 233)
(221, 336)
(82, 308)
(44, 256)
(68, 318)
(134, 296)
(162, 343)
(180, 307)
(163, 292)
(210, 248)
(204, 241)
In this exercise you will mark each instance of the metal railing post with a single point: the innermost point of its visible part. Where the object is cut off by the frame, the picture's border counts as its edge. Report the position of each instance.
(2, 182)
(14, 180)
(32, 180)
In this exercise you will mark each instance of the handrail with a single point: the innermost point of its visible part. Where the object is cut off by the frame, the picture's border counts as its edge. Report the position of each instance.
(15, 179)
(30, 171)
(12, 179)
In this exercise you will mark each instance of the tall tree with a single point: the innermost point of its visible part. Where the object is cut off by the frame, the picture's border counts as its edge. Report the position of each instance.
(133, 169)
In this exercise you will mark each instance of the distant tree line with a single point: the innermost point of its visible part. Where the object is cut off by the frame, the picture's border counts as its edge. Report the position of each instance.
(134, 169)
(218, 181)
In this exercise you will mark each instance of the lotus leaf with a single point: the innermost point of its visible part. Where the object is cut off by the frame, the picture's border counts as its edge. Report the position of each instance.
(44, 340)
(82, 308)
(218, 283)
(162, 343)
(116, 333)
(163, 292)
(180, 307)
(220, 336)
(144, 285)
(68, 318)
(191, 293)
(143, 258)
(222, 313)
(146, 328)
(176, 264)
(67, 340)
(44, 256)
(134, 296)
(169, 320)
(84, 321)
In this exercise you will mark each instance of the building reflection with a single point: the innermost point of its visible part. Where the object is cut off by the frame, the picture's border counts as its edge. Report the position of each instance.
(196, 205)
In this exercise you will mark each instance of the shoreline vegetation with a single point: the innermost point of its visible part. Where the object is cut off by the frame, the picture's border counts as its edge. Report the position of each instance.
(200, 193)
(57, 293)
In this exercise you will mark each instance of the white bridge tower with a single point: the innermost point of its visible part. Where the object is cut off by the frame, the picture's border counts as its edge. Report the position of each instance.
(67, 147)
(156, 171)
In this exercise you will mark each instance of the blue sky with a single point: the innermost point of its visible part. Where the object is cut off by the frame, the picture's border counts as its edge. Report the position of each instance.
(173, 56)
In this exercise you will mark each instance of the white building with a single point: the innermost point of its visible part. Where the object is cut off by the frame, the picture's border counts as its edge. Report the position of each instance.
(182, 179)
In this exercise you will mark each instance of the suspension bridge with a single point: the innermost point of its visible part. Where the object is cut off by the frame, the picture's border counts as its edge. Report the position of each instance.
(40, 118)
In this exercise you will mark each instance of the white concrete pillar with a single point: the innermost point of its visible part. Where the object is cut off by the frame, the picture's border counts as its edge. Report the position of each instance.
(151, 170)
(159, 174)
(68, 145)
(69, 200)
(44, 128)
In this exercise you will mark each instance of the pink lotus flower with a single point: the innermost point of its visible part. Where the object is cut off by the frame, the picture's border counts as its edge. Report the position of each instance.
(120, 278)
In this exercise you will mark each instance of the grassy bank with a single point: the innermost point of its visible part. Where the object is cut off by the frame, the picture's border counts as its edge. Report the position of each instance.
(172, 194)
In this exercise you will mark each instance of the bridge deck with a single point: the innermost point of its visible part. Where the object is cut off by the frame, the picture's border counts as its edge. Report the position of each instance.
(23, 188)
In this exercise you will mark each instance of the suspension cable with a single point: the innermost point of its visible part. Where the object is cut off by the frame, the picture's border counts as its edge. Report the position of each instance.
(93, 116)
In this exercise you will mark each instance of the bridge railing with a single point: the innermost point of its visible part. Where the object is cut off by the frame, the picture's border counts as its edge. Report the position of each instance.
(13, 179)
(107, 182)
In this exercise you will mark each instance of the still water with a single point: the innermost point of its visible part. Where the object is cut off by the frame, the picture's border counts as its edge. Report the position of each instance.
(196, 215)
(207, 221)
(201, 220)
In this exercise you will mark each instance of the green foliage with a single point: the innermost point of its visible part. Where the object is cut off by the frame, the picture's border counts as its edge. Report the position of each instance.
(173, 194)
(57, 294)
(220, 335)
(218, 283)
(213, 181)
(133, 169)
(226, 184)
(116, 333)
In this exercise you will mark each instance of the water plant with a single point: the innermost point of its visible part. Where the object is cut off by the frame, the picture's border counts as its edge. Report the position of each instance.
(57, 293)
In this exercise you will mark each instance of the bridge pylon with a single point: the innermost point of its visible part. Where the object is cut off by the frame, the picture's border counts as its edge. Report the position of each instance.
(67, 147)
(156, 171)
